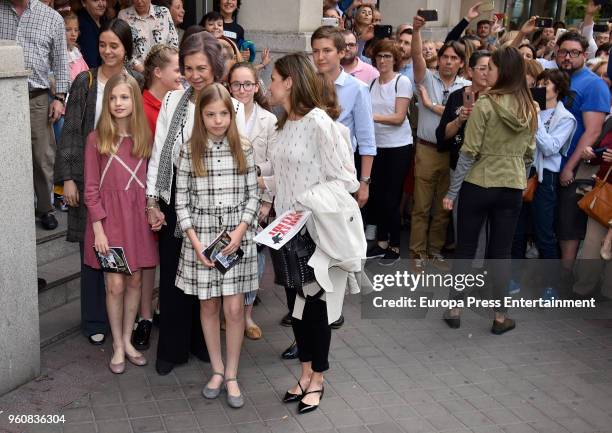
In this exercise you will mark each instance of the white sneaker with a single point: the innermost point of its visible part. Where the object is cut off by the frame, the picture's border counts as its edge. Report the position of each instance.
(370, 232)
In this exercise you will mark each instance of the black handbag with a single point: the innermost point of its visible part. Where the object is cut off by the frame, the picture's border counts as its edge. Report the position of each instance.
(290, 262)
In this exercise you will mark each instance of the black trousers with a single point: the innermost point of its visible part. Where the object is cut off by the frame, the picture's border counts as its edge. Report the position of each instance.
(313, 335)
(180, 329)
(501, 207)
(94, 319)
(390, 169)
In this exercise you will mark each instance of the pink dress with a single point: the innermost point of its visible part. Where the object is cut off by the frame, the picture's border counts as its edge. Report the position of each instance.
(115, 194)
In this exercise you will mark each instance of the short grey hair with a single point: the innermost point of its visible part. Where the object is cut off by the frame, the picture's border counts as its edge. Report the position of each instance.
(207, 44)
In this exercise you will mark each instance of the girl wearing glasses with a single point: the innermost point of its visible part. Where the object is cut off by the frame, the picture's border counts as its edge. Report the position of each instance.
(261, 132)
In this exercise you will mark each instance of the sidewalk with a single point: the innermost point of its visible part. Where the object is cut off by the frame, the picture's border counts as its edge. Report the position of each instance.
(386, 377)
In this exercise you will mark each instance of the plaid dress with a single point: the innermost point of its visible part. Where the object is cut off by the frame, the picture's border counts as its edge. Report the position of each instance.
(209, 204)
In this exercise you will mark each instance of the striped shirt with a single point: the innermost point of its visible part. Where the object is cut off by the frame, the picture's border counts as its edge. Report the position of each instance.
(40, 31)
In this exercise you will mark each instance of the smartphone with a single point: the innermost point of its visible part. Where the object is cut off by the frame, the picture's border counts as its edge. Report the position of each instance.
(500, 16)
(468, 99)
(599, 150)
(560, 33)
(383, 31)
(486, 7)
(330, 22)
(600, 28)
(428, 14)
(544, 22)
(539, 95)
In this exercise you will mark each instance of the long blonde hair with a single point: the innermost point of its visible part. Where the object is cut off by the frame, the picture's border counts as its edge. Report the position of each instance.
(108, 133)
(199, 137)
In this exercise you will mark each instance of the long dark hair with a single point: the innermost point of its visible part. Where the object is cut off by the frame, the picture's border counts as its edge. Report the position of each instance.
(123, 31)
(306, 88)
(511, 80)
(259, 97)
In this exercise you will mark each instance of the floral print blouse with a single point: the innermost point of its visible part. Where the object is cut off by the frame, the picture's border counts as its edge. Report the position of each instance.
(156, 28)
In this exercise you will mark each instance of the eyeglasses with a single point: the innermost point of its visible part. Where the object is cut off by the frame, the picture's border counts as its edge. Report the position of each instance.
(384, 56)
(572, 53)
(350, 45)
(481, 68)
(247, 86)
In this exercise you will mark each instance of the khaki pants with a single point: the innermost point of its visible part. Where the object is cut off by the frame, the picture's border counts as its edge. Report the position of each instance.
(590, 267)
(431, 182)
(43, 150)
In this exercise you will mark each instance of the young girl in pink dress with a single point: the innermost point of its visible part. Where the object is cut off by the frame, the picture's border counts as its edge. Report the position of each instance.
(116, 157)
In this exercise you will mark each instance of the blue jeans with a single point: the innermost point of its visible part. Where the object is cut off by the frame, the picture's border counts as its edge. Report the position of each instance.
(544, 209)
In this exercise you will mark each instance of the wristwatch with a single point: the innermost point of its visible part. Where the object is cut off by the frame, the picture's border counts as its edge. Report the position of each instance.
(62, 99)
(258, 171)
(365, 179)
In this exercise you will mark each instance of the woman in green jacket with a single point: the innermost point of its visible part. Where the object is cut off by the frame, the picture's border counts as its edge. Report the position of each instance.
(491, 175)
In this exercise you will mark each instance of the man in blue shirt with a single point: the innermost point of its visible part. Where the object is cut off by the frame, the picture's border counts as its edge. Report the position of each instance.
(328, 48)
(589, 103)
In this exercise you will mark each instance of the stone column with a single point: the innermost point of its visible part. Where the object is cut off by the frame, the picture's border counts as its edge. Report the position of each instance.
(19, 333)
(280, 25)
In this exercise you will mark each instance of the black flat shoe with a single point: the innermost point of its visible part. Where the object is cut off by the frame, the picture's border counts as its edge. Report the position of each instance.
(142, 334)
(291, 352)
(292, 398)
(505, 326)
(338, 323)
(257, 300)
(453, 322)
(163, 368)
(305, 408)
(97, 341)
(48, 221)
(286, 320)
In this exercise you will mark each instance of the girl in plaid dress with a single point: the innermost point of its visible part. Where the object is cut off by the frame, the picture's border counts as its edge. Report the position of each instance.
(216, 190)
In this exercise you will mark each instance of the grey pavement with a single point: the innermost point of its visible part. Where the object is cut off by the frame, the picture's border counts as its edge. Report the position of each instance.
(386, 376)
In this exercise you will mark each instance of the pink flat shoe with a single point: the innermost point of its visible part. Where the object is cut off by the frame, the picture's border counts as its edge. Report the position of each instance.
(138, 361)
(117, 368)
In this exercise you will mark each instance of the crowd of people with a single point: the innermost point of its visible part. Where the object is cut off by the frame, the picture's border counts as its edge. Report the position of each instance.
(164, 141)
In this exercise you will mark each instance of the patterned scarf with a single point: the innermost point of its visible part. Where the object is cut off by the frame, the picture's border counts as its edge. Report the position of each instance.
(163, 185)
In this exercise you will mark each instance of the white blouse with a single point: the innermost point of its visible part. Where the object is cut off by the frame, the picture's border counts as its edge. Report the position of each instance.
(313, 151)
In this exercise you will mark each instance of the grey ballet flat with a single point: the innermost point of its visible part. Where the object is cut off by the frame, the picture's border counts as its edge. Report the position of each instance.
(212, 393)
(235, 402)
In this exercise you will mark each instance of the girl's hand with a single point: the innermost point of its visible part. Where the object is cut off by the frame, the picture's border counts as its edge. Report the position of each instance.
(156, 219)
(264, 210)
(71, 193)
(607, 155)
(236, 237)
(261, 183)
(529, 27)
(197, 246)
(101, 243)
(447, 203)
(588, 154)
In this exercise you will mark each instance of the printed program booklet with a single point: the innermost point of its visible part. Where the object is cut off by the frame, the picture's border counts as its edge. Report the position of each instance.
(282, 229)
(114, 261)
(213, 253)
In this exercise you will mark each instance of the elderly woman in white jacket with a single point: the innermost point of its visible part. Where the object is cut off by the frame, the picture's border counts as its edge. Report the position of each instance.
(201, 62)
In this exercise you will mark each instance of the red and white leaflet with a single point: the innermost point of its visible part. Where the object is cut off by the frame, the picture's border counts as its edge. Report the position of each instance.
(282, 229)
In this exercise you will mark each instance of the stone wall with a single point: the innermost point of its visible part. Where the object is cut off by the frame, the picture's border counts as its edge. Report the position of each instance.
(19, 333)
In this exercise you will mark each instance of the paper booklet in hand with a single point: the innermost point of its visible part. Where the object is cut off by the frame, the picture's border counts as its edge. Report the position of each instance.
(213, 253)
(114, 261)
(282, 229)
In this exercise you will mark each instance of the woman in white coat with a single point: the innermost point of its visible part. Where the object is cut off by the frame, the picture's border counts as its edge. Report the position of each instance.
(261, 131)
(180, 332)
